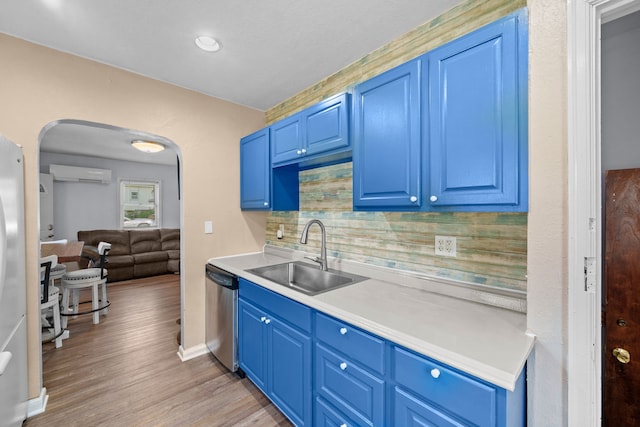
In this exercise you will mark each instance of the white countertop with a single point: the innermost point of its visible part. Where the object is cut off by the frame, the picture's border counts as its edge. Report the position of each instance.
(487, 342)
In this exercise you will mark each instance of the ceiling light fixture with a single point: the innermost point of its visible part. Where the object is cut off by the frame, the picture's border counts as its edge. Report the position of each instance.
(147, 146)
(208, 44)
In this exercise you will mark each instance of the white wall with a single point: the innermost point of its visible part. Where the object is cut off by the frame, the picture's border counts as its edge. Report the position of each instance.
(89, 206)
(621, 93)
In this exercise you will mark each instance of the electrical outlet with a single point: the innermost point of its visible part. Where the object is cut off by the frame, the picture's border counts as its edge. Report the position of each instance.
(445, 246)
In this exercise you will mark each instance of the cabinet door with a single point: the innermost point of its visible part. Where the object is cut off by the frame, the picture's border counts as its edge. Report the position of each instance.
(255, 171)
(252, 343)
(326, 125)
(286, 140)
(289, 382)
(478, 118)
(386, 140)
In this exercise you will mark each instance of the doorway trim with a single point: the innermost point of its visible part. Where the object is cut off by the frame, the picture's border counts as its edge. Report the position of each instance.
(584, 360)
(38, 405)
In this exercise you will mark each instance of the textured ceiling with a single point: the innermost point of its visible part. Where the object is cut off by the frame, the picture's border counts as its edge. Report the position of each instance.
(271, 50)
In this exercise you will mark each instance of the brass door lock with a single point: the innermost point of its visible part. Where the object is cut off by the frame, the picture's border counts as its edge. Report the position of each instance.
(622, 355)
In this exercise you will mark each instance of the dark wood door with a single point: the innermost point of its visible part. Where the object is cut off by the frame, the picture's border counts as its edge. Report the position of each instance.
(621, 352)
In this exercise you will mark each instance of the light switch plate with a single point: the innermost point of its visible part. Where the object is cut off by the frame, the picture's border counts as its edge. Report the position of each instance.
(208, 227)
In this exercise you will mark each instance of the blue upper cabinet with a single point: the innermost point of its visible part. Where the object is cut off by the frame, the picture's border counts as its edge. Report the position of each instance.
(287, 139)
(319, 133)
(255, 171)
(448, 130)
(387, 140)
(477, 119)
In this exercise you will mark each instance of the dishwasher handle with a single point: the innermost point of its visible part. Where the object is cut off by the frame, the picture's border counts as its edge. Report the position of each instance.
(221, 277)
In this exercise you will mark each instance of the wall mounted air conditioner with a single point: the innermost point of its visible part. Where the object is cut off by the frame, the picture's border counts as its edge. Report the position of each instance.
(80, 174)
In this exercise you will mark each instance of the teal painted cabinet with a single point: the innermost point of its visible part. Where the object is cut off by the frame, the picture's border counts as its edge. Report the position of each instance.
(387, 140)
(275, 349)
(314, 133)
(255, 171)
(478, 119)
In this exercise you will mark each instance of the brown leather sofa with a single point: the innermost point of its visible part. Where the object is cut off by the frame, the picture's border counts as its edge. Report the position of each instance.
(136, 253)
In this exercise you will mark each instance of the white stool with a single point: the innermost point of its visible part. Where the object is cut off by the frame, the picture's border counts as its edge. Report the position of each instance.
(86, 278)
(57, 272)
(49, 299)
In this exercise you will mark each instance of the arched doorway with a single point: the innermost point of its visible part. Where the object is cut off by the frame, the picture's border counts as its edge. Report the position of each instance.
(81, 202)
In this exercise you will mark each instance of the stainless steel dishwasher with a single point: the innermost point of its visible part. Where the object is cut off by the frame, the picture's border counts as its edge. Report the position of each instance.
(221, 329)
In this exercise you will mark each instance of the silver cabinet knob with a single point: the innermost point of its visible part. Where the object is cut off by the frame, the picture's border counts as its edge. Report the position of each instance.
(435, 373)
(343, 365)
(433, 198)
(266, 203)
(343, 425)
(267, 321)
(263, 318)
(343, 331)
(413, 199)
(298, 152)
(304, 151)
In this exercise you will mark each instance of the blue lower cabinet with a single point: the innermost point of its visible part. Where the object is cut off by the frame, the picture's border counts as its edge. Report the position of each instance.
(252, 343)
(349, 387)
(322, 371)
(445, 392)
(328, 416)
(411, 412)
(289, 382)
(274, 353)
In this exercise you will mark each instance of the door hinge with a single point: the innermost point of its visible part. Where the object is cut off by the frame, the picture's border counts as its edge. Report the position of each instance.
(589, 274)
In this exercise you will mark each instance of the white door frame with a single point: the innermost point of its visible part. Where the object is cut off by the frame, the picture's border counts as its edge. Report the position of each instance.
(584, 371)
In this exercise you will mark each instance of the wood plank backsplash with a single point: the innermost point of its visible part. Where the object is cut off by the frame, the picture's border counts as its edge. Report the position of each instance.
(491, 247)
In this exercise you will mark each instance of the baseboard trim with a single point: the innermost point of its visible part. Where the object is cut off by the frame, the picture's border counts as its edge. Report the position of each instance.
(38, 405)
(192, 352)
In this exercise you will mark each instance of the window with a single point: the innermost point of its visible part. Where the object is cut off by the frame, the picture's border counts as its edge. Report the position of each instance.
(139, 204)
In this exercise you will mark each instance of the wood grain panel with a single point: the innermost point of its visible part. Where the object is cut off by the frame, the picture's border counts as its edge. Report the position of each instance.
(491, 246)
(125, 371)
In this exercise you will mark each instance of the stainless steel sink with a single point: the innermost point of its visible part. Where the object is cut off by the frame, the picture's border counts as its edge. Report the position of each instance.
(306, 278)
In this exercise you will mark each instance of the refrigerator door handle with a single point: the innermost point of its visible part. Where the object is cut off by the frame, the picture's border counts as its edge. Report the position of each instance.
(5, 357)
(3, 247)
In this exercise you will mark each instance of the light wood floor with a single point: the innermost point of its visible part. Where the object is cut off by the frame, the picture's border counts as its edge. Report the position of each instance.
(125, 371)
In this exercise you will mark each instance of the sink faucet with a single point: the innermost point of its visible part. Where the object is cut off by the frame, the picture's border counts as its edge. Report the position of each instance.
(323, 249)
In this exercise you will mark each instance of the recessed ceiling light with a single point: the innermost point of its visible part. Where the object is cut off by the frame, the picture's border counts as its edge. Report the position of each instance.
(147, 146)
(208, 44)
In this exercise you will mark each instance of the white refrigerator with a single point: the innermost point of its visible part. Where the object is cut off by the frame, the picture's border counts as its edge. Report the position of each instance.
(13, 323)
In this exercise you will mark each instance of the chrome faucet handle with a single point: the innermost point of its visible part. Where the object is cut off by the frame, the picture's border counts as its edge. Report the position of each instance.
(318, 260)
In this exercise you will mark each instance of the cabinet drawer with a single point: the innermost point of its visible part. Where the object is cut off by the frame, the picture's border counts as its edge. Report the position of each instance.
(459, 394)
(288, 310)
(328, 416)
(356, 344)
(350, 388)
(409, 411)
